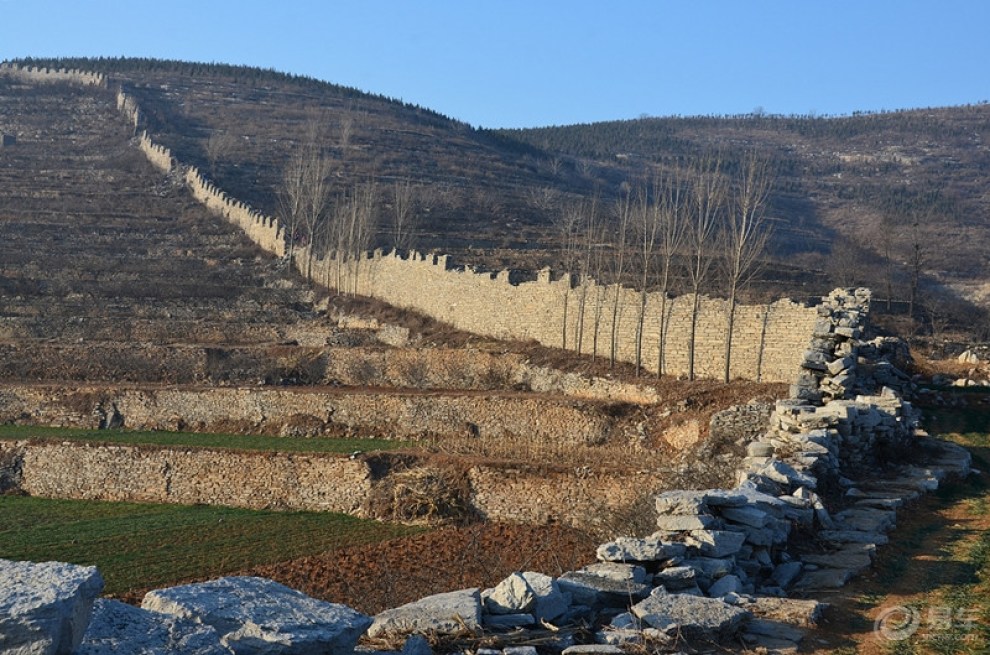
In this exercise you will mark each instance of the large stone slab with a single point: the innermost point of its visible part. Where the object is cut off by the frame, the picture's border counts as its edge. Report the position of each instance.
(440, 613)
(597, 591)
(632, 549)
(45, 607)
(684, 522)
(551, 602)
(260, 616)
(717, 543)
(118, 628)
(511, 596)
(696, 617)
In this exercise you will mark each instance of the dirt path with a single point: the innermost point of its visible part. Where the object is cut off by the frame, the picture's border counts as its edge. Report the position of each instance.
(928, 590)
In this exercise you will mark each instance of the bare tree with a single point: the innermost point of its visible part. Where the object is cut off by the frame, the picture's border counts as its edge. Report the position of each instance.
(646, 227)
(567, 224)
(624, 209)
(670, 194)
(744, 236)
(404, 217)
(219, 146)
(707, 205)
(304, 197)
(590, 267)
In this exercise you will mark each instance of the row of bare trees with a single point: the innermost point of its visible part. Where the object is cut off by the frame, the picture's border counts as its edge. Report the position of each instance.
(340, 221)
(693, 225)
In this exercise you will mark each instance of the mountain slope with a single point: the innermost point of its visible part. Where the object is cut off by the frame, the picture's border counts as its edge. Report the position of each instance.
(857, 199)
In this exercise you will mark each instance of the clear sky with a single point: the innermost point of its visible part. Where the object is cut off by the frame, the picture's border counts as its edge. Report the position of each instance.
(524, 63)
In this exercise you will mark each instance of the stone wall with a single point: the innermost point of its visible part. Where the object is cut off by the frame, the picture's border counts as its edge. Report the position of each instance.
(767, 340)
(288, 481)
(36, 75)
(164, 475)
(282, 410)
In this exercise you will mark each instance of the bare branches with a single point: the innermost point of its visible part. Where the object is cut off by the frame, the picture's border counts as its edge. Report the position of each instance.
(744, 236)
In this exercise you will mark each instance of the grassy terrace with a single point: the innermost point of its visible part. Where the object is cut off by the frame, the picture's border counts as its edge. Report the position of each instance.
(197, 440)
(137, 546)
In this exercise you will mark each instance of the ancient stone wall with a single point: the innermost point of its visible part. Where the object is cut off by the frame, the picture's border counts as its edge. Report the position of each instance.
(767, 341)
(36, 75)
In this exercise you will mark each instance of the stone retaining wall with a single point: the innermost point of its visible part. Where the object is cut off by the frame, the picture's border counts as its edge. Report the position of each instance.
(190, 476)
(385, 414)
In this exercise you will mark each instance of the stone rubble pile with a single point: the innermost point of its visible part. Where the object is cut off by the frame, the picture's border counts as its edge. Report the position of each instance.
(719, 567)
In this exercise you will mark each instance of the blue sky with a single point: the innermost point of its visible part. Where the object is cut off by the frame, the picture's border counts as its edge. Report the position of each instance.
(509, 63)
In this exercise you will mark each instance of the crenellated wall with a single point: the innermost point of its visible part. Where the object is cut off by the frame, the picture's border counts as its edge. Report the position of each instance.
(768, 341)
(263, 230)
(35, 75)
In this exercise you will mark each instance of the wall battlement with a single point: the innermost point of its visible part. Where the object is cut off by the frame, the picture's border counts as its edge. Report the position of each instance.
(768, 341)
(34, 74)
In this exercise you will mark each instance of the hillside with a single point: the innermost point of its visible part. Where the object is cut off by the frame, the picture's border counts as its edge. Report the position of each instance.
(857, 199)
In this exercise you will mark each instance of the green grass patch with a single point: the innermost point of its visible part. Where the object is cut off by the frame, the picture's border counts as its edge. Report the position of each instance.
(144, 545)
(202, 440)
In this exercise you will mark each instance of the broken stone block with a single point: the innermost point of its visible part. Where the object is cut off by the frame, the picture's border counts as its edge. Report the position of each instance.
(750, 516)
(717, 543)
(121, 628)
(257, 615)
(511, 596)
(45, 607)
(632, 549)
(785, 574)
(725, 585)
(507, 621)
(695, 617)
(824, 579)
(680, 523)
(444, 613)
(617, 571)
(866, 519)
(551, 602)
(595, 591)
(676, 578)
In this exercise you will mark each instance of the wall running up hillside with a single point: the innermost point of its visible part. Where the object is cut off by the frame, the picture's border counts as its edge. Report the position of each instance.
(35, 75)
(768, 341)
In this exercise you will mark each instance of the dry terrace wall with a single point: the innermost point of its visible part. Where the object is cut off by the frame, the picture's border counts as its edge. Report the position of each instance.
(316, 482)
(190, 476)
(767, 340)
(391, 414)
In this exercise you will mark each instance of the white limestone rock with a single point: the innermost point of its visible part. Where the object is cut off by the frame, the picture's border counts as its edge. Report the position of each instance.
(551, 602)
(121, 628)
(632, 549)
(694, 616)
(260, 616)
(441, 613)
(45, 607)
(511, 596)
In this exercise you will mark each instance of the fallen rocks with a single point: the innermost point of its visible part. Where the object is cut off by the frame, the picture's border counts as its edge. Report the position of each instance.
(445, 613)
(257, 615)
(120, 628)
(694, 617)
(45, 608)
